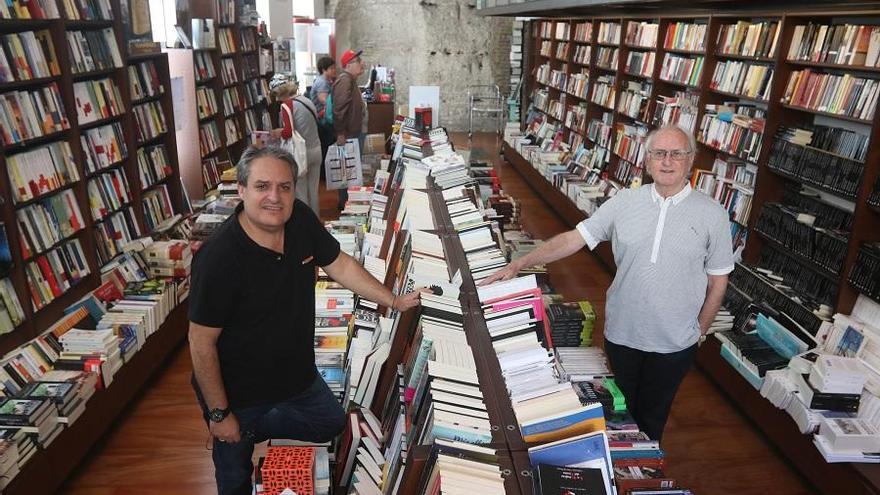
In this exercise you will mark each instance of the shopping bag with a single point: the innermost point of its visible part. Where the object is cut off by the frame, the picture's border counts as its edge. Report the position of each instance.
(343, 166)
(296, 146)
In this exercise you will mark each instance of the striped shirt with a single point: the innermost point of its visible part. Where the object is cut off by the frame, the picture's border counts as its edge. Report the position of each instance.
(664, 250)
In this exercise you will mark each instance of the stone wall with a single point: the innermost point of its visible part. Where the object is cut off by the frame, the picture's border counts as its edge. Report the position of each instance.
(429, 43)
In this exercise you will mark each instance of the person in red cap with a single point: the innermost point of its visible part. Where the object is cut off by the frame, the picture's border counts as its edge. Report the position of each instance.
(349, 109)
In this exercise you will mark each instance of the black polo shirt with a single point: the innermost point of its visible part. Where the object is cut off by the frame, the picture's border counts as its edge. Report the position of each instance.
(265, 303)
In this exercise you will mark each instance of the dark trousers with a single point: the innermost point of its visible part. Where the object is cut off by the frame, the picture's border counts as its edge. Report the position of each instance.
(313, 415)
(649, 381)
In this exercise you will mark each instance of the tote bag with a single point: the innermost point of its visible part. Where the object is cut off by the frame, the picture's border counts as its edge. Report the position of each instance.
(296, 145)
(343, 166)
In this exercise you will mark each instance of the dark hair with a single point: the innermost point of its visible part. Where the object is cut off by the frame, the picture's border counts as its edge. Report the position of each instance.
(243, 168)
(325, 63)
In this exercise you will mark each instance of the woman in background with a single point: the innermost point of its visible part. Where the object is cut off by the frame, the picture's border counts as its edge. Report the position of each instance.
(298, 113)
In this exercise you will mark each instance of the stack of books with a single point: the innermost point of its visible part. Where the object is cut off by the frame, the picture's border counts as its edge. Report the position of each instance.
(93, 350)
(169, 259)
(64, 395)
(581, 363)
(17, 448)
(37, 418)
(571, 323)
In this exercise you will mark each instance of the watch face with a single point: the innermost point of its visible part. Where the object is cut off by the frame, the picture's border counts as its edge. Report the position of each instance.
(217, 415)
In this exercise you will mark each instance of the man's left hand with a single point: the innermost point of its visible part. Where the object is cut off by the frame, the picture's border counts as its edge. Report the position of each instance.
(406, 302)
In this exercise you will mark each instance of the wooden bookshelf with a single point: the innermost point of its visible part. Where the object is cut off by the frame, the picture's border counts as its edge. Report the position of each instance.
(47, 469)
(37, 321)
(771, 183)
(231, 148)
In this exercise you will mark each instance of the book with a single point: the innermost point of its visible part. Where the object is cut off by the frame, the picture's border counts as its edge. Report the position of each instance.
(558, 480)
(93, 50)
(586, 451)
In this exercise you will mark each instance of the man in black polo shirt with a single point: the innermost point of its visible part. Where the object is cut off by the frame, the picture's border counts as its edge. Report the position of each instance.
(252, 319)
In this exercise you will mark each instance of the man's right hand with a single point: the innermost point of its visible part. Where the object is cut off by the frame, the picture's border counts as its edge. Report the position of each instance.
(227, 430)
(508, 272)
(340, 140)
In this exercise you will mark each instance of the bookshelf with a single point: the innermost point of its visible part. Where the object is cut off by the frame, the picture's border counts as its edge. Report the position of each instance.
(232, 71)
(750, 61)
(109, 159)
(77, 134)
(722, 49)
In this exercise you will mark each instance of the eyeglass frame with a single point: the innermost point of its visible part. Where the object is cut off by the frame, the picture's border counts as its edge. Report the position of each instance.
(682, 155)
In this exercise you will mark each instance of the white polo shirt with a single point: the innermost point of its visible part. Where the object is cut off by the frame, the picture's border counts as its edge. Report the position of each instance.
(664, 250)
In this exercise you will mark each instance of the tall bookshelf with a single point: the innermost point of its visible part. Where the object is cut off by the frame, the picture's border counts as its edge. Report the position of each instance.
(75, 135)
(117, 174)
(841, 198)
(771, 182)
(240, 88)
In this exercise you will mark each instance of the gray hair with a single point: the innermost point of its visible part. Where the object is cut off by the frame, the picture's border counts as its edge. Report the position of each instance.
(689, 137)
(243, 168)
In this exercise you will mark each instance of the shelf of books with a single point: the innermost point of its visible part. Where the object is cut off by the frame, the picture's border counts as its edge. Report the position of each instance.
(88, 167)
(783, 109)
(232, 88)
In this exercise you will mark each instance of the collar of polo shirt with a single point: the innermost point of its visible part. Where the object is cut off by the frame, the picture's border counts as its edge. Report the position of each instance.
(676, 199)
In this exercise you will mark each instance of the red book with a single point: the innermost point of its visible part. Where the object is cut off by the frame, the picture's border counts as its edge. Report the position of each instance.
(117, 187)
(108, 291)
(49, 275)
(34, 8)
(74, 220)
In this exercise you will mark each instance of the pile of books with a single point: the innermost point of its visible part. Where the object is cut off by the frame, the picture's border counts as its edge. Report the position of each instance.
(169, 259)
(35, 417)
(571, 323)
(64, 395)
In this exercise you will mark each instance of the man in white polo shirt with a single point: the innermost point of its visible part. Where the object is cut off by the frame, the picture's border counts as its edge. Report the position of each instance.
(672, 248)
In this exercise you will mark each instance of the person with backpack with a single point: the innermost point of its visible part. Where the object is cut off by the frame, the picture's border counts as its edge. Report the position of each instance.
(348, 107)
(323, 84)
(320, 96)
(300, 115)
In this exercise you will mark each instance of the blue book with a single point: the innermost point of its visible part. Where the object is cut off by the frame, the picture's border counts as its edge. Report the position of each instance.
(5, 254)
(591, 413)
(780, 339)
(462, 434)
(588, 450)
(331, 374)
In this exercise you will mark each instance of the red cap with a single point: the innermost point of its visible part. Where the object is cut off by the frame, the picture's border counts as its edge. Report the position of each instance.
(350, 55)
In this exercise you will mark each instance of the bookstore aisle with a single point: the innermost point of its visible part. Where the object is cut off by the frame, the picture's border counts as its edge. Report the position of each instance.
(160, 444)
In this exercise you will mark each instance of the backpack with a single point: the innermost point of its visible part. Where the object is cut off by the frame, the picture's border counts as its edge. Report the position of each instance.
(327, 117)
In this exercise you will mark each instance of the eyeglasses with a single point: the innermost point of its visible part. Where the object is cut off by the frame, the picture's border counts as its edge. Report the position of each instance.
(676, 155)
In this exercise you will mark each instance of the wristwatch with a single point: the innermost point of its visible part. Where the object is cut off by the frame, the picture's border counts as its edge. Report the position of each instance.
(218, 415)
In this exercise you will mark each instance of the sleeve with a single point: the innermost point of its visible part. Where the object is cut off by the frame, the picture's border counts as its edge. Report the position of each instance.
(341, 103)
(719, 259)
(322, 87)
(599, 226)
(212, 293)
(286, 124)
(326, 247)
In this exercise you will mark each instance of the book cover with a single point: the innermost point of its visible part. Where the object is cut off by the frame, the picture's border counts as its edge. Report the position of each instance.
(558, 480)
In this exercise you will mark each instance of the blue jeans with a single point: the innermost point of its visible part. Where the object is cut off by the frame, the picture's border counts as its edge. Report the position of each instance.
(313, 415)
